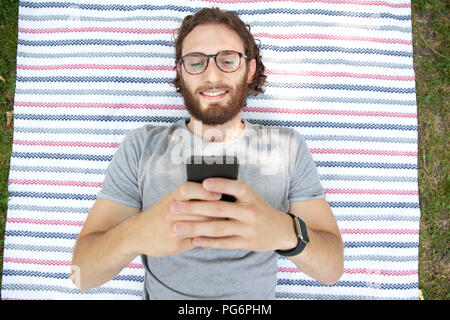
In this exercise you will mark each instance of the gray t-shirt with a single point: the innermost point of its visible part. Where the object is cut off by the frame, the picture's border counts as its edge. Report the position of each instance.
(150, 163)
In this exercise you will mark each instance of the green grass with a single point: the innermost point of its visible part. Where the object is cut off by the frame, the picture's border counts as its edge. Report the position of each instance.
(431, 36)
(8, 44)
(431, 59)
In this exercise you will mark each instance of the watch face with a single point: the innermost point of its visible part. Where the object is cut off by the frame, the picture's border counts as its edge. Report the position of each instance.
(302, 235)
(300, 228)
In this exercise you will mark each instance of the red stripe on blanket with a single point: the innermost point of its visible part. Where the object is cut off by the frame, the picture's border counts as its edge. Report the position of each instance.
(98, 29)
(364, 152)
(353, 2)
(67, 144)
(45, 222)
(330, 37)
(57, 262)
(371, 191)
(38, 261)
(174, 31)
(97, 105)
(182, 107)
(56, 183)
(361, 271)
(381, 272)
(379, 231)
(339, 74)
(171, 68)
(97, 67)
(332, 112)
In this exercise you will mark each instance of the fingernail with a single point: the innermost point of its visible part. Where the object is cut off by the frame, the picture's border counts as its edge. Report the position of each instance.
(217, 196)
(179, 227)
(175, 207)
(209, 183)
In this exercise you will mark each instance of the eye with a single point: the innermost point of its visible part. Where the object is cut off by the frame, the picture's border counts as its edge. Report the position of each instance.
(229, 62)
(228, 59)
(195, 64)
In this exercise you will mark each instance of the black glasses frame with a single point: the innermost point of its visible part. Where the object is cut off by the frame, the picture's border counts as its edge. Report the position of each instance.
(209, 56)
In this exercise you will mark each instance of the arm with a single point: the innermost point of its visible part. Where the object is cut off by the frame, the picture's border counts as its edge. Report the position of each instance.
(253, 224)
(114, 234)
(104, 246)
(323, 258)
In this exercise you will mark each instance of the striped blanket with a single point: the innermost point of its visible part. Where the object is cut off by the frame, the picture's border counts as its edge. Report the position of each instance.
(339, 71)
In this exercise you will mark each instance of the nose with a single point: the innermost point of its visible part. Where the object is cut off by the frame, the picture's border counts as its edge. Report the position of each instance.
(212, 73)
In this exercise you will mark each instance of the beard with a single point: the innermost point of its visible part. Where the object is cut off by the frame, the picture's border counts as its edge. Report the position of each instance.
(215, 113)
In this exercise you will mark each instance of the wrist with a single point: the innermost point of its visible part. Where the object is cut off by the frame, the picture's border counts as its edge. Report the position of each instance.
(131, 242)
(302, 237)
(290, 238)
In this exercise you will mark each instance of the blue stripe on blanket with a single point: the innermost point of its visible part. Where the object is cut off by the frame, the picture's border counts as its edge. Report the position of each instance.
(115, 7)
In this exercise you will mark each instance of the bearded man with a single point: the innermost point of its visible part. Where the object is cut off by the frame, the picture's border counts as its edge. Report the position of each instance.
(194, 245)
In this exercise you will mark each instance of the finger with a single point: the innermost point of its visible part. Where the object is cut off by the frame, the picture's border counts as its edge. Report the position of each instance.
(217, 209)
(237, 188)
(225, 243)
(185, 245)
(171, 217)
(194, 190)
(218, 228)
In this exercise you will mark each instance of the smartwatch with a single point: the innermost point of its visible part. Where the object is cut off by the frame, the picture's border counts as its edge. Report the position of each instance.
(302, 235)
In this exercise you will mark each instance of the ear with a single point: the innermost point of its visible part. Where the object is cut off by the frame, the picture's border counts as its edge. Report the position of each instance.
(251, 70)
(178, 67)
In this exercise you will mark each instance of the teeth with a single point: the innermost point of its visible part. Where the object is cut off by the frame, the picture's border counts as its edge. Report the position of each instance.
(213, 93)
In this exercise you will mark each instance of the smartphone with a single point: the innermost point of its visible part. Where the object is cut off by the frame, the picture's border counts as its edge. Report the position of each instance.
(201, 167)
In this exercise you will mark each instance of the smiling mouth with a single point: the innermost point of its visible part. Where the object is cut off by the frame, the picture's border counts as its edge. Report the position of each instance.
(214, 93)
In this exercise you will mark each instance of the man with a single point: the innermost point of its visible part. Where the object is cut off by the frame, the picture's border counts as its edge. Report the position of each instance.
(193, 245)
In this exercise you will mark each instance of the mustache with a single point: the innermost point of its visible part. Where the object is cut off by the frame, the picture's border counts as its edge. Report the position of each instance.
(214, 87)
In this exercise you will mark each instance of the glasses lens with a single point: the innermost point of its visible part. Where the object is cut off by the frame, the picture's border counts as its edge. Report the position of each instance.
(195, 63)
(228, 61)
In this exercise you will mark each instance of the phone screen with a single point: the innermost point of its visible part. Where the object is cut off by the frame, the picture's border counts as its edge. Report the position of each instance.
(201, 167)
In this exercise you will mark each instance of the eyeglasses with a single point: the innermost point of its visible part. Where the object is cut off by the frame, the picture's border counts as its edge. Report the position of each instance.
(227, 61)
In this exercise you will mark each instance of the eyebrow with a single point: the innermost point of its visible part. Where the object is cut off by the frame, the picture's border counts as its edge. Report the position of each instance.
(196, 52)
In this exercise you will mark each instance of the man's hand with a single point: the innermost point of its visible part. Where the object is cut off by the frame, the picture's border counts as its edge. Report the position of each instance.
(156, 234)
(250, 223)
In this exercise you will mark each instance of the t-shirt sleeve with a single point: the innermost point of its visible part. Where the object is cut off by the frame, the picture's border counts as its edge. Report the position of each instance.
(121, 180)
(305, 182)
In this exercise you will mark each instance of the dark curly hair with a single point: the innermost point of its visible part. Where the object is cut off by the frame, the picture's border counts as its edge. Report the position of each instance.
(232, 20)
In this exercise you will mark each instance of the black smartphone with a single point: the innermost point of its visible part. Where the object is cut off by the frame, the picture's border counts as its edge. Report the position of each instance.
(201, 167)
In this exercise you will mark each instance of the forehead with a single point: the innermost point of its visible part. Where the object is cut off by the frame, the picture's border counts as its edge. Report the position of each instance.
(211, 38)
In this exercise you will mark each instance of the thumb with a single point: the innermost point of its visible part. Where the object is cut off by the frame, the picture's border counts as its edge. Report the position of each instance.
(237, 188)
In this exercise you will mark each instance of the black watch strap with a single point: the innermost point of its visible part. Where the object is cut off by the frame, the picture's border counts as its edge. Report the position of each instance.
(302, 235)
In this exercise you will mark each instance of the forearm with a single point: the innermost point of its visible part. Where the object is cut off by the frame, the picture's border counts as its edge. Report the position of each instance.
(98, 257)
(322, 258)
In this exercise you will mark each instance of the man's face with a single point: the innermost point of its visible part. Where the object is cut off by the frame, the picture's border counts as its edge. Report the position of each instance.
(200, 91)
